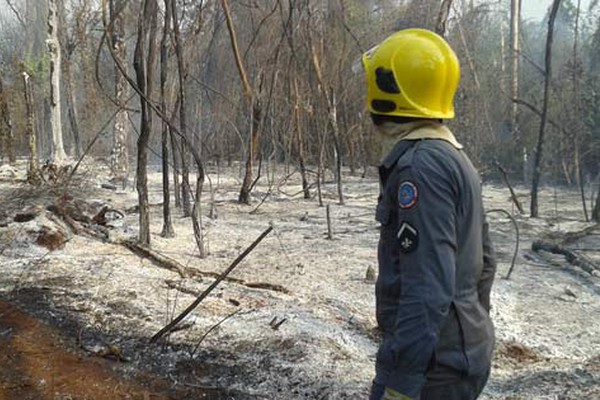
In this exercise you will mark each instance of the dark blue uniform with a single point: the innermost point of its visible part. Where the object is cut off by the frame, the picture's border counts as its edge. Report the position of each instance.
(436, 267)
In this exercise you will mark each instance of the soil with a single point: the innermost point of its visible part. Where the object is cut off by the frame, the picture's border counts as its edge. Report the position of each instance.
(296, 321)
(44, 364)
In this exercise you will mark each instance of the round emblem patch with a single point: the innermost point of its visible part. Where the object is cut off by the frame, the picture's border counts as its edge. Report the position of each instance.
(408, 194)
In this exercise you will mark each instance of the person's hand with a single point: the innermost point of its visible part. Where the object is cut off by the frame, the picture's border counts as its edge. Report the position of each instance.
(391, 394)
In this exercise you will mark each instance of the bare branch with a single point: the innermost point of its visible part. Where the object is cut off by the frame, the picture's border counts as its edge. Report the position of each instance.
(16, 12)
(191, 307)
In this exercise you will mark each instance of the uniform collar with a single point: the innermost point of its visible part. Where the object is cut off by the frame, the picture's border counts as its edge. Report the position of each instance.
(418, 130)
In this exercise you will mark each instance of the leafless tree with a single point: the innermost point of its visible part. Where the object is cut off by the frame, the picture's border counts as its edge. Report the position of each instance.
(54, 53)
(7, 145)
(119, 157)
(167, 230)
(33, 170)
(144, 63)
(540, 141)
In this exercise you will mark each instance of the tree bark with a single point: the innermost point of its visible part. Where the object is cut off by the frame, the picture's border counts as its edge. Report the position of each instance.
(515, 19)
(596, 210)
(300, 140)
(254, 105)
(7, 145)
(576, 136)
(175, 150)
(72, 108)
(119, 159)
(144, 66)
(54, 53)
(332, 117)
(540, 140)
(440, 27)
(33, 170)
(185, 143)
(68, 49)
(167, 230)
(195, 213)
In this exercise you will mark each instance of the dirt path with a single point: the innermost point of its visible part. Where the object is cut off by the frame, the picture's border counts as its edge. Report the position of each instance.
(39, 363)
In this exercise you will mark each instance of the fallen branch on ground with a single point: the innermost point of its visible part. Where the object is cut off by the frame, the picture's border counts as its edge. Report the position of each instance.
(212, 328)
(514, 222)
(571, 257)
(159, 259)
(204, 294)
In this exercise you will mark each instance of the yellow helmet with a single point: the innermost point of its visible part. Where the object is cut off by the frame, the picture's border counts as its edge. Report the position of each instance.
(412, 73)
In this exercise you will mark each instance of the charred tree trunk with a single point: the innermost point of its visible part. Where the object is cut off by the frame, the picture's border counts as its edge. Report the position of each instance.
(596, 210)
(253, 104)
(186, 189)
(298, 120)
(7, 145)
(119, 159)
(332, 117)
(68, 48)
(71, 107)
(196, 212)
(540, 140)
(576, 136)
(176, 158)
(53, 45)
(515, 18)
(167, 230)
(440, 27)
(33, 170)
(144, 66)
(337, 146)
(253, 147)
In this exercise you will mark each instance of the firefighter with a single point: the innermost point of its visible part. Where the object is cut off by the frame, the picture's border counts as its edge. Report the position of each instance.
(436, 261)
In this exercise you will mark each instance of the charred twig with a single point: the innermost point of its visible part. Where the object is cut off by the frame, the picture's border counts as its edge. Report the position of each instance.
(177, 286)
(212, 328)
(267, 286)
(514, 222)
(513, 196)
(275, 324)
(204, 294)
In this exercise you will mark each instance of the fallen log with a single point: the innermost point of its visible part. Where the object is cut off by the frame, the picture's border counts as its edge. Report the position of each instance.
(571, 257)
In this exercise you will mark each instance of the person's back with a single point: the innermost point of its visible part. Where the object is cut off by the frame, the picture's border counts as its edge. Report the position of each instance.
(436, 264)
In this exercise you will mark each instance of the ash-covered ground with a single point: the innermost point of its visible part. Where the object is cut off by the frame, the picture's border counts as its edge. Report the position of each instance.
(298, 321)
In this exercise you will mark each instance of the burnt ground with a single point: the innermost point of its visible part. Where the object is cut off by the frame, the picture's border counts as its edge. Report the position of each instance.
(64, 305)
(52, 362)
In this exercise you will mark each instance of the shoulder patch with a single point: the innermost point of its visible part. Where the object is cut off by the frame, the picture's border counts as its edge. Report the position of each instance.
(408, 237)
(408, 194)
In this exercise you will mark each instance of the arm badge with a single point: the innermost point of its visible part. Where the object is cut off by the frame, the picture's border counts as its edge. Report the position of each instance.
(408, 194)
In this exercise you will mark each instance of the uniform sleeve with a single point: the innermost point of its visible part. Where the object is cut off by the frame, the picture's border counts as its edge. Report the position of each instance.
(426, 205)
(484, 286)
